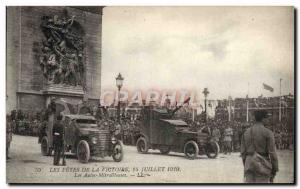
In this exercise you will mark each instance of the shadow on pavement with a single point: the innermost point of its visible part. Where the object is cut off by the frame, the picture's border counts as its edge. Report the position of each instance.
(32, 161)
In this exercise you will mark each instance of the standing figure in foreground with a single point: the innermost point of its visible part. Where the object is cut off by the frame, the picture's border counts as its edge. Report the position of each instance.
(258, 152)
(58, 141)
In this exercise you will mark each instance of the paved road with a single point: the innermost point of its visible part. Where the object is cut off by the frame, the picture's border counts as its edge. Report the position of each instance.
(27, 165)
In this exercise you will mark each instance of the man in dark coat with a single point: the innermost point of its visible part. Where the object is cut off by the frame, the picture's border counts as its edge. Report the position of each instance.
(58, 140)
(258, 139)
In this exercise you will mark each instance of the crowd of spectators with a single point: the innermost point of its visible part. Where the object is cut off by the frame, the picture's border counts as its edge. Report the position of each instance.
(30, 123)
(261, 102)
(217, 129)
(27, 122)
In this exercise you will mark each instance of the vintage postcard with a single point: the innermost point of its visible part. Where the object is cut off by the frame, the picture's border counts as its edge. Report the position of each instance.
(100, 94)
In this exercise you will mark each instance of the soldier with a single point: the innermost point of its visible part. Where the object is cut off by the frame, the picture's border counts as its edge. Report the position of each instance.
(13, 115)
(281, 135)
(290, 140)
(228, 133)
(260, 140)
(216, 135)
(42, 130)
(8, 135)
(286, 140)
(126, 132)
(277, 140)
(35, 126)
(118, 132)
(241, 132)
(131, 133)
(20, 115)
(221, 141)
(236, 139)
(58, 141)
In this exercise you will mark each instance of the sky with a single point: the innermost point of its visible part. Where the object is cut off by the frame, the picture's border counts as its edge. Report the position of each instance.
(229, 50)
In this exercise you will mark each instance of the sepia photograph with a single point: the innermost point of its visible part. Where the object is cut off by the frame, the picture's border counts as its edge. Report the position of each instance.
(150, 95)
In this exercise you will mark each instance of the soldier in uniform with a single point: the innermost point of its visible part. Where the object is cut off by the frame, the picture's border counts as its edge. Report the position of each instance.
(236, 139)
(277, 140)
(58, 141)
(228, 133)
(118, 131)
(258, 139)
(126, 132)
(286, 140)
(216, 135)
(43, 126)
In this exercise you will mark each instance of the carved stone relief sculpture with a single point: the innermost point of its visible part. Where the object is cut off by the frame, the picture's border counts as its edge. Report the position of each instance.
(62, 51)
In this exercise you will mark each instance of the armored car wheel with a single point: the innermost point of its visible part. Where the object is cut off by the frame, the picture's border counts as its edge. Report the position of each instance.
(45, 149)
(212, 149)
(118, 152)
(191, 149)
(164, 149)
(83, 151)
(141, 145)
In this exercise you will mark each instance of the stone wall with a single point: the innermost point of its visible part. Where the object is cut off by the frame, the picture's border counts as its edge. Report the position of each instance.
(25, 82)
(13, 57)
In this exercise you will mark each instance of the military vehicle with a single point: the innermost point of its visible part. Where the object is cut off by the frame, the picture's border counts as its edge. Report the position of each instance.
(82, 137)
(159, 130)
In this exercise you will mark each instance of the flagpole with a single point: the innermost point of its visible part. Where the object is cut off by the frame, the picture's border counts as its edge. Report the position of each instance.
(280, 100)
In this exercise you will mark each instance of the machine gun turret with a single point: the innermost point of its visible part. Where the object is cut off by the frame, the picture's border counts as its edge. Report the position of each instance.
(179, 107)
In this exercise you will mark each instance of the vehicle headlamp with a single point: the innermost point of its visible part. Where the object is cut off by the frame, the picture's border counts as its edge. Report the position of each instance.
(113, 140)
(94, 140)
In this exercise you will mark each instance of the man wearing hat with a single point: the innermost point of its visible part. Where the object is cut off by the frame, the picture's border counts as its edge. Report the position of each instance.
(216, 135)
(58, 141)
(258, 141)
(228, 133)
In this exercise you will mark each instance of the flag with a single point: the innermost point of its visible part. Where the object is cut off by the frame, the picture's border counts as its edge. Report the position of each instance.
(267, 87)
